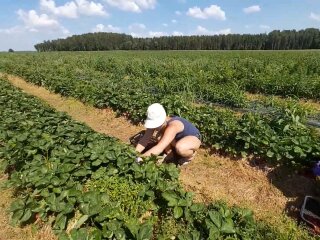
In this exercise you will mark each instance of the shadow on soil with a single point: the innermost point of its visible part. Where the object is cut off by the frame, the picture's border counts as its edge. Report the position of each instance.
(294, 185)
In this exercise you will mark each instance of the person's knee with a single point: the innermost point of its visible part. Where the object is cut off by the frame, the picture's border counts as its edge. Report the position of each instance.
(183, 149)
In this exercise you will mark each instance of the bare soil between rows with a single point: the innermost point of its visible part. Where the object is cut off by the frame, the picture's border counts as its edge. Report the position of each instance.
(268, 191)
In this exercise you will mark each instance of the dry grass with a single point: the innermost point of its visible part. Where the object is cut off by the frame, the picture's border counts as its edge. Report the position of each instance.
(268, 192)
(8, 232)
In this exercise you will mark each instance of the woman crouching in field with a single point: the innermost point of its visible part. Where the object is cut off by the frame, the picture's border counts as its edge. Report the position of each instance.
(174, 134)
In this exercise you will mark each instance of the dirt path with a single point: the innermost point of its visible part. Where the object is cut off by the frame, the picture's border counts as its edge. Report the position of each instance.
(268, 192)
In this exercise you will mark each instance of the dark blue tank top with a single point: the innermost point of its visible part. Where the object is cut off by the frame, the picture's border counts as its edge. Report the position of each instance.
(188, 130)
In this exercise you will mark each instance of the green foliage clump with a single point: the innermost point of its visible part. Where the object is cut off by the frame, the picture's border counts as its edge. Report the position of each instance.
(124, 194)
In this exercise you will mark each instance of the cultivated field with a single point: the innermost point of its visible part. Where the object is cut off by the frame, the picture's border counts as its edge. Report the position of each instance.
(253, 106)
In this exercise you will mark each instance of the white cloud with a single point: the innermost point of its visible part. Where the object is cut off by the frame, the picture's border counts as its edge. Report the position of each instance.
(157, 34)
(178, 13)
(32, 20)
(264, 26)
(314, 16)
(68, 10)
(34, 28)
(203, 31)
(212, 11)
(132, 5)
(103, 28)
(165, 24)
(90, 8)
(74, 8)
(252, 9)
(176, 33)
(140, 30)
(40, 23)
(174, 21)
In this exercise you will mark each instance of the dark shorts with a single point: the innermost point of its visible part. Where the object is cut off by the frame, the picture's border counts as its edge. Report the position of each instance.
(197, 135)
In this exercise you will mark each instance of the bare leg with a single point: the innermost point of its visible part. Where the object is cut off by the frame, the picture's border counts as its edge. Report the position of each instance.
(187, 146)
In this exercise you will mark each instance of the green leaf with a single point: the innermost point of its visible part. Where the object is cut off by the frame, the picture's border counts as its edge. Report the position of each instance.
(16, 216)
(68, 208)
(145, 232)
(79, 234)
(84, 208)
(26, 215)
(183, 202)
(80, 173)
(45, 193)
(298, 150)
(81, 221)
(120, 234)
(171, 197)
(246, 214)
(74, 193)
(177, 212)
(96, 163)
(63, 236)
(228, 226)
(60, 223)
(55, 181)
(270, 154)
(96, 235)
(196, 207)
(112, 171)
(216, 218)
(214, 233)
(17, 204)
(133, 226)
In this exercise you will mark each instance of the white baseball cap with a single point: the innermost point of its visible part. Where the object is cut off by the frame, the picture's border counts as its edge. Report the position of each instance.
(156, 116)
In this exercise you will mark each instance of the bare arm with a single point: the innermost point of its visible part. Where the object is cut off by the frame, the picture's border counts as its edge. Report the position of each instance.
(168, 136)
(144, 140)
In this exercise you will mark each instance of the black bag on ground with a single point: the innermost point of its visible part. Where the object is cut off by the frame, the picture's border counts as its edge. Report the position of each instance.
(136, 138)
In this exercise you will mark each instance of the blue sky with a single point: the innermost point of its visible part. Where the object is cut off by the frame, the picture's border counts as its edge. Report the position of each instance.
(24, 23)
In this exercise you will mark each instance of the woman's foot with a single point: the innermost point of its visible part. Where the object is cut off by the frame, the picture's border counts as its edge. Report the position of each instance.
(186, 161)
(183, 161)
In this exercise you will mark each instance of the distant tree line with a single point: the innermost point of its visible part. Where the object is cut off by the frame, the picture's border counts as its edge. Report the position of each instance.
(275, 40)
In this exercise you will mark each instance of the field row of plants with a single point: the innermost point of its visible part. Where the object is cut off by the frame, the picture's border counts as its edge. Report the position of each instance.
(209, 76)
(88, 186)
(278, 136)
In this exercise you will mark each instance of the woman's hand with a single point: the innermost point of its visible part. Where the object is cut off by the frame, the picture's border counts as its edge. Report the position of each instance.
(138, 160)
(169, 134)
